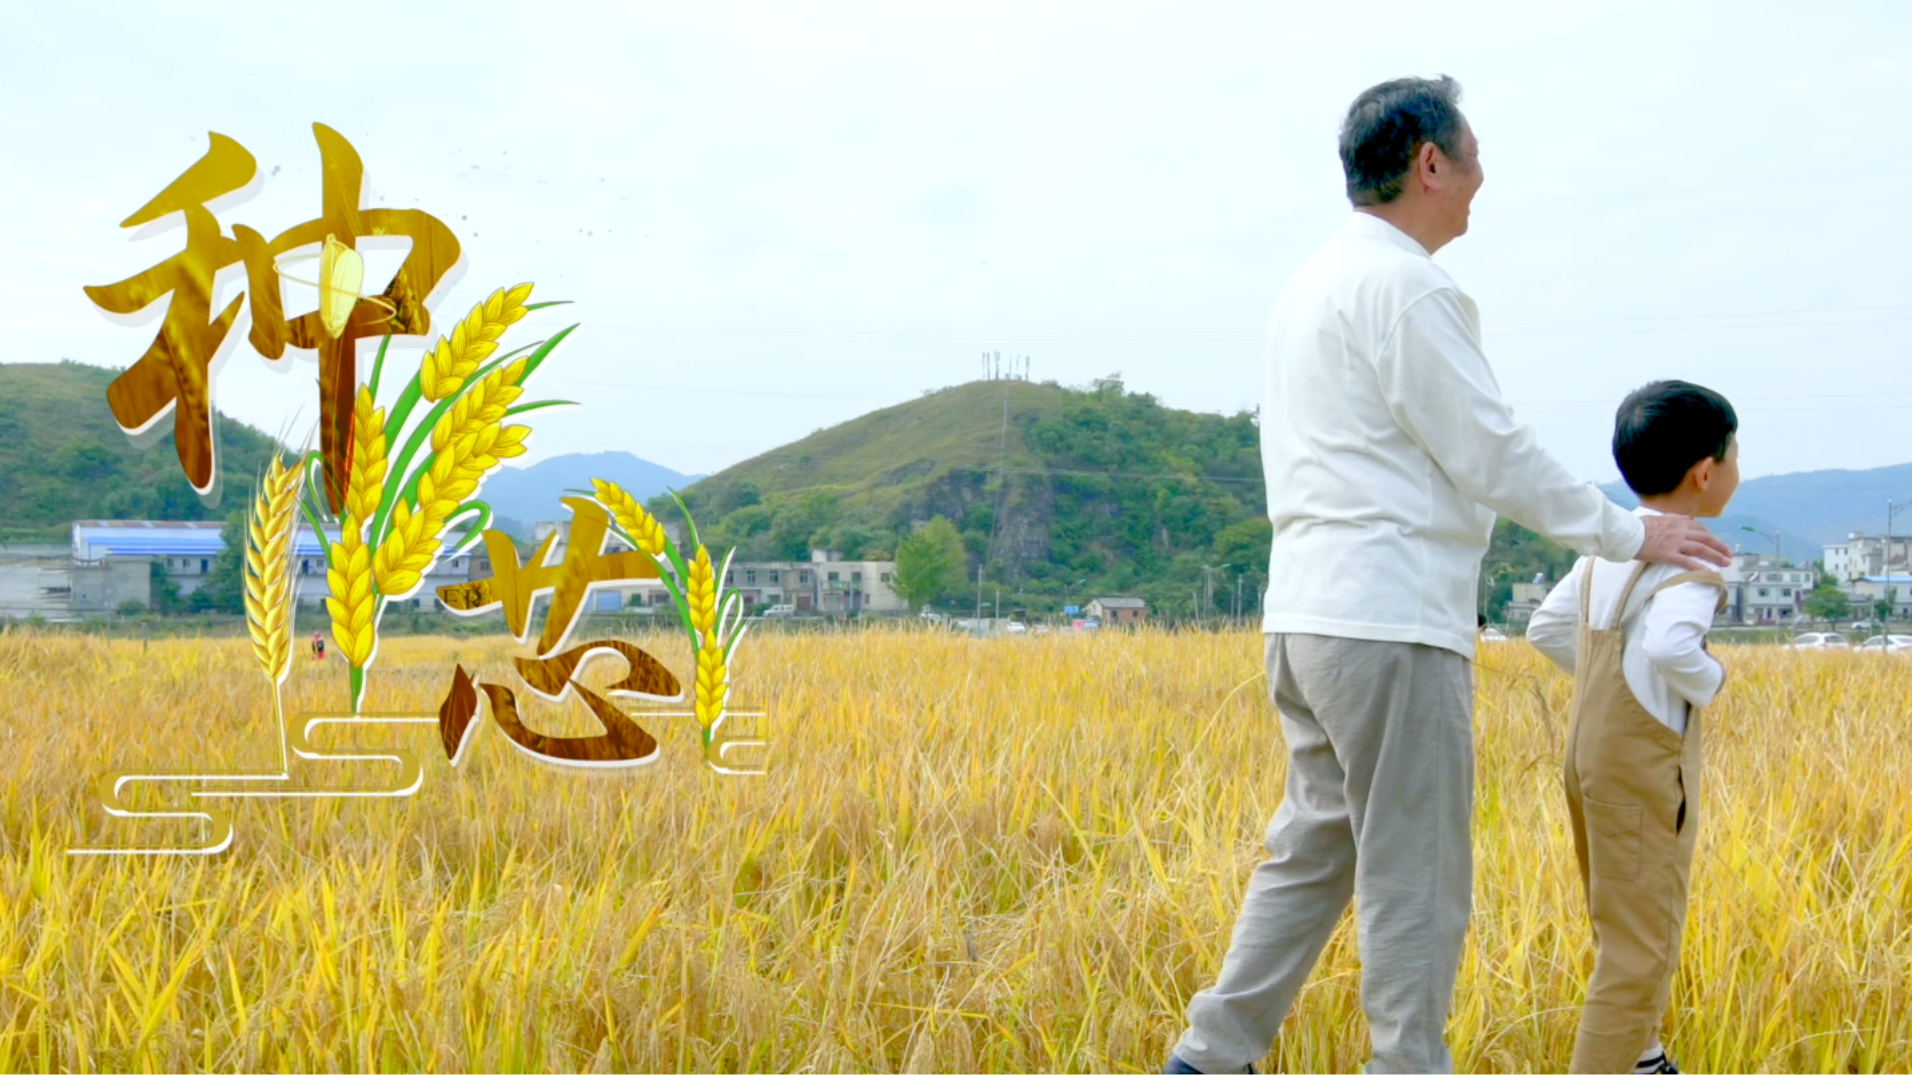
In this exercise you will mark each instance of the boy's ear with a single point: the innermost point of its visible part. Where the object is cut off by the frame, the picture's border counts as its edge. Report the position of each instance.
(1702, 474)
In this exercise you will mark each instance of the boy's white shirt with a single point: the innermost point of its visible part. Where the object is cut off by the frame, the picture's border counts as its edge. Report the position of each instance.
(1665, 662)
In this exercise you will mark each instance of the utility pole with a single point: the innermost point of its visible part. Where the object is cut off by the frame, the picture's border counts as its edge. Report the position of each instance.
(1238, 598)
(979, 592)
(1892, 508)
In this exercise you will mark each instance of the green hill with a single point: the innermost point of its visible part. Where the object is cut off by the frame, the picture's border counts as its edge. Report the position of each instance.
(1054, 490)
(63, 457)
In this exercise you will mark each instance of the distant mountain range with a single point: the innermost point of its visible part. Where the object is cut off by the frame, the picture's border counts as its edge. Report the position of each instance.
(62, 457)
(530, 494)
(1806, 511)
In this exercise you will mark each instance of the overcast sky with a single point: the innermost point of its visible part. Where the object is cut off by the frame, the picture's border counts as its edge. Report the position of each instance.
(771, 218)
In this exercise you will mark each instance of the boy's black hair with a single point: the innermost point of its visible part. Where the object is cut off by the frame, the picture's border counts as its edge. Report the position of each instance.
(1663, 429)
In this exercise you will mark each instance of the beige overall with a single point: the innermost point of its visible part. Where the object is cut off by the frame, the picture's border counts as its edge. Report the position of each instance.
(1633, 794)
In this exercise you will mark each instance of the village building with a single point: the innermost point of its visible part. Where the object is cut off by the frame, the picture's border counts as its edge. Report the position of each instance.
(1125, 611)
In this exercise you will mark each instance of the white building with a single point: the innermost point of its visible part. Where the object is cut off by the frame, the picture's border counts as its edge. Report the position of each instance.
(824, 584)
(1525, 601)
(1763, 590)
(1863, 555)
(1896, 588)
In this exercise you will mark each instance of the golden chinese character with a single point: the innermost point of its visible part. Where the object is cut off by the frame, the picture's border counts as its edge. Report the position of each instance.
(515, 586)
(172, 373)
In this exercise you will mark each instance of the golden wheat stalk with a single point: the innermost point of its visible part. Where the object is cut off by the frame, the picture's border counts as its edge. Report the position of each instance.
(268, 570)
(349, 576)
(712, 675)
(631, 516)
(365, 480)
(467, 443)
(712, 680)
(701, 592)
(474, 339)
(483, 405)
(348, 562)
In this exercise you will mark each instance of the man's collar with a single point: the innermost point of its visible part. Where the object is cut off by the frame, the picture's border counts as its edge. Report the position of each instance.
(1371, 225)
(1643, 511)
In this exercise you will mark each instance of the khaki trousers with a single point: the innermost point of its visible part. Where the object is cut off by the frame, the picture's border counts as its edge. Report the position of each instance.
(1633, 797)
(1379, 800)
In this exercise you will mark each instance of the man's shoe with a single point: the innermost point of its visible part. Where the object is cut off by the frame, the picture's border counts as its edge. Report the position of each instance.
(1177, 1066)
(1656, 1065)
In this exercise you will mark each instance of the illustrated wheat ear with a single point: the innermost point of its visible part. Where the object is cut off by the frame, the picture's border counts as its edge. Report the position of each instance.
(473, 340)
(631, 516)
(268, 579)
(467, 443)
(349, 566)
(712, 672)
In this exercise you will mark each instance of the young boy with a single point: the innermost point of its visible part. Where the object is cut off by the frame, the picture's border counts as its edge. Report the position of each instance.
(1634, 637)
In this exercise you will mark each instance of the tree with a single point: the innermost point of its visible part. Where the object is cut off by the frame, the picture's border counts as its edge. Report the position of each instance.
(1826, 602)
(164, 591)
(225, 583)
(1517, 554)
(798, 524)
(929, 563)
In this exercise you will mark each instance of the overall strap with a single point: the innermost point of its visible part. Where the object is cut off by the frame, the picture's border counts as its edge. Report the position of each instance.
(1704, 578)
(1619, 610)
(1586, 594)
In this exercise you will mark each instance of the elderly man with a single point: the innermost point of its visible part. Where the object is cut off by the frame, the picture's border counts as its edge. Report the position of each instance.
(1388, 451)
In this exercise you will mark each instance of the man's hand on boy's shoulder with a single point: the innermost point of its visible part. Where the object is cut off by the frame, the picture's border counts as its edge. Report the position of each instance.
(1683, 542)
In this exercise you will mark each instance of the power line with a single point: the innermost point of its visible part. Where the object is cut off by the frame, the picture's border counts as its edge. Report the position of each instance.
(1647, 323)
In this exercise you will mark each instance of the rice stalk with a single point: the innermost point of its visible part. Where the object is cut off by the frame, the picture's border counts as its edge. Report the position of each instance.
(988, 855)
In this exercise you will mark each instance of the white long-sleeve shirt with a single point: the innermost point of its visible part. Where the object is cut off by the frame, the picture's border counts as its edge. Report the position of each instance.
(1388, 450)
(1665, 661)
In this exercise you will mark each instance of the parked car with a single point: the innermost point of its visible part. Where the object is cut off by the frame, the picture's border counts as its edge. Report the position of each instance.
(1015, 628)
(1865, 625)
(1492, 634)
(1821, 640)
(1887, 644)
(780, 610)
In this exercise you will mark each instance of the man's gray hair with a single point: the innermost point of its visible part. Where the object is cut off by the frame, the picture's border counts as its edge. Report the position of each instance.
(1386, 127)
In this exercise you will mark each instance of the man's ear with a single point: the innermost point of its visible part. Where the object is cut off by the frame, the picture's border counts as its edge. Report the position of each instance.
(1427, 159)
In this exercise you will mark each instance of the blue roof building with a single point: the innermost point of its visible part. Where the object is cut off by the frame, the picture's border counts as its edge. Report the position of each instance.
(97, 539)
(185, 551)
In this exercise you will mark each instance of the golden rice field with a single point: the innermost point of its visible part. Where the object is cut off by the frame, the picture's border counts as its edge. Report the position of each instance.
(1013, 855)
